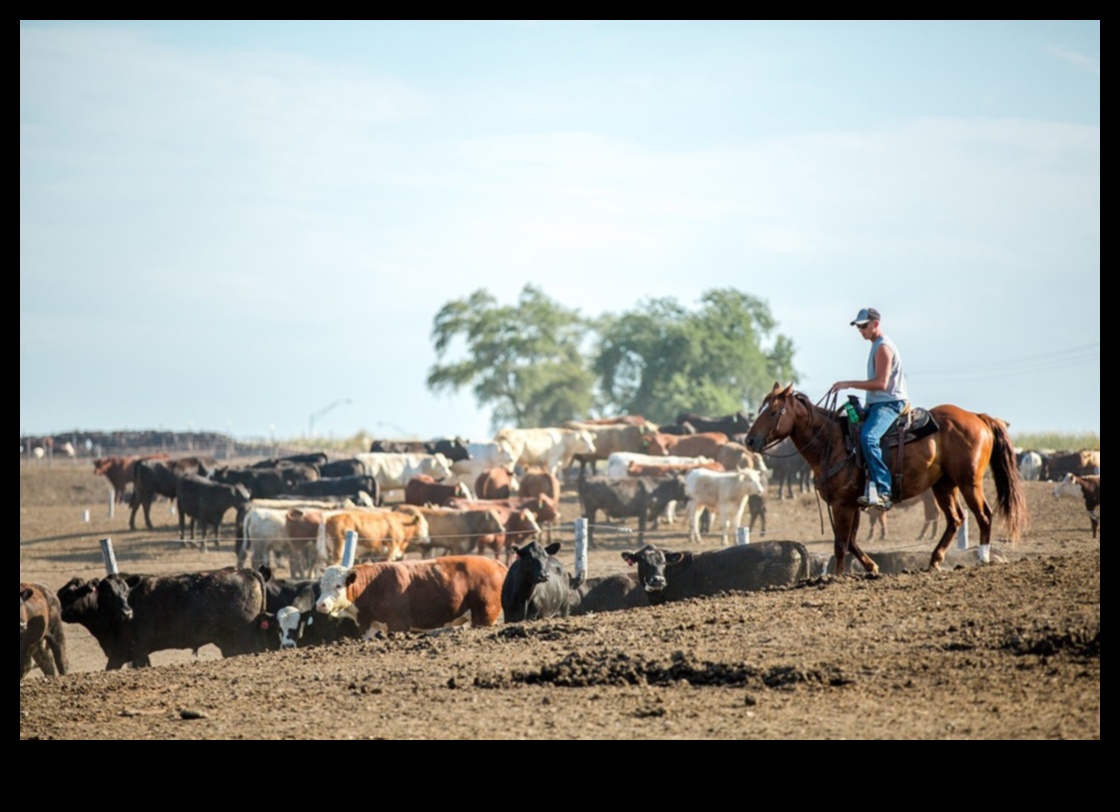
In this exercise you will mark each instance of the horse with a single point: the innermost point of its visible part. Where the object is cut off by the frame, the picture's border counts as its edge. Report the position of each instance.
(952, 461)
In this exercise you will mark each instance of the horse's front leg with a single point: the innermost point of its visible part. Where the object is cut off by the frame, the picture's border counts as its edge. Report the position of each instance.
(845, 525)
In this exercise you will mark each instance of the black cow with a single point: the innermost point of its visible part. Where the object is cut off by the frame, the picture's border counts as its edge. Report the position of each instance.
(618, 499)
(341, 468)
(317, 459)
(206, 502)
(665, 492)
(536, 585)
(732, 424)
(268, 483)
(674, 576)
(349, 486)
(610, 593)
(42, 640)
(454, 449)
(132, 616)
(152, 478)
(291, 610)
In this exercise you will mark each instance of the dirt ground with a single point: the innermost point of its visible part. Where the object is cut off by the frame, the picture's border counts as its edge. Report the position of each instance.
(1007, 650)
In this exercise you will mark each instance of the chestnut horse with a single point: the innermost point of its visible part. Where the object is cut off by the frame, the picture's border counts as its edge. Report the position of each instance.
(952, 461)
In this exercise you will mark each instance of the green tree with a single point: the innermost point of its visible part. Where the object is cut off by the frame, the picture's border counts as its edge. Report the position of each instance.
(524, 361)
(661, 358)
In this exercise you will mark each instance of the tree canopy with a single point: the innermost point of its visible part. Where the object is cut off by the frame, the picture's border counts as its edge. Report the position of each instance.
(536, 363)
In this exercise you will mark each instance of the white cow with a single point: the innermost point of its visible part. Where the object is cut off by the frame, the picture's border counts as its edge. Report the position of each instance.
(618, 463)
(393, 471)
(1030, 465)
(723, 494)
(484, 456)
(551, 448)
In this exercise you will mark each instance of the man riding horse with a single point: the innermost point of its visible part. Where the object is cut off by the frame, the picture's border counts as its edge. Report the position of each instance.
(886, 400)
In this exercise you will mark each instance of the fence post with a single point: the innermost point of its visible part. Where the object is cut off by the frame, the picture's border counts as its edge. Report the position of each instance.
(109, 558)
(112, 502)
(580, 529)
(742, 536)
(349, 548)
(962, 534)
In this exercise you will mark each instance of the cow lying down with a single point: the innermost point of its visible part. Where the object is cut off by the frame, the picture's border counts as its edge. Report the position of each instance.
(401, 596)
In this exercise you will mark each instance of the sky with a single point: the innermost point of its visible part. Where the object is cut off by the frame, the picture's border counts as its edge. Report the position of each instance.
(248, 227)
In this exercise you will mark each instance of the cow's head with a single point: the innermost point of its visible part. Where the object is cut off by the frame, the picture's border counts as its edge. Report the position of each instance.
(290, 623)
(585, 442)
(107, 597)
(651, 563)
(439, 467)
(334, 598)
(534, 560)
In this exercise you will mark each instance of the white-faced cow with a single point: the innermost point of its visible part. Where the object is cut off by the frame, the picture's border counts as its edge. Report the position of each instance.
(551, 448)
(400, 596)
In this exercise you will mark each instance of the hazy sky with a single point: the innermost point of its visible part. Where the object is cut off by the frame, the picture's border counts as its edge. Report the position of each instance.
(235, 226)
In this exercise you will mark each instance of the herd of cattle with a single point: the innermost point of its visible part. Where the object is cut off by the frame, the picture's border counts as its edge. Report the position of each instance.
(453, 502)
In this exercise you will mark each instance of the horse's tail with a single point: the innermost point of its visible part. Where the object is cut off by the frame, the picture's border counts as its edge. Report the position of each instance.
(1010, 500)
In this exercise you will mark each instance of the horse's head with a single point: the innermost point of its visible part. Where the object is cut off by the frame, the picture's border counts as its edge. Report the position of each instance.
(775, 419)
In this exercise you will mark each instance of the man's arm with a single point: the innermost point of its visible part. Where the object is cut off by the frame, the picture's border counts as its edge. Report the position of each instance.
(879, 382)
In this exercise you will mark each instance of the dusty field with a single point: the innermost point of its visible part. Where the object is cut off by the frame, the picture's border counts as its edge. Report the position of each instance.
(1003, 651)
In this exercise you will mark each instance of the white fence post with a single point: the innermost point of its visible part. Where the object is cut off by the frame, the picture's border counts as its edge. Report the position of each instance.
(580, 529)
(742, 536)
(349, 548)
(112, 502)
(108, 556)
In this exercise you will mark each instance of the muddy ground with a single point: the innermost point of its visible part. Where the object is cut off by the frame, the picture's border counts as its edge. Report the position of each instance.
(1007, 650)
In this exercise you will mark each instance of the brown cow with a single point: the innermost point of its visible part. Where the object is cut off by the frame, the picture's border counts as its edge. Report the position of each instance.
(612, 438)
(539, 482)
(382, 533)
(663, 471)
(521, 520)
(1089, 487)
(119, 470)
(41, 638)
(400, 596)
(457, 531)
(494, 483)
(686, 445)
(425, 490)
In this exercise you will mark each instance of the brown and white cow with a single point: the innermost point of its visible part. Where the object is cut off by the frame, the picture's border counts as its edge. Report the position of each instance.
(385, 534)
(1089, 488)
(400, 596)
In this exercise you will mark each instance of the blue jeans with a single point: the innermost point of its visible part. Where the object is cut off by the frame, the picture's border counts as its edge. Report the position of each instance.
(879, 419)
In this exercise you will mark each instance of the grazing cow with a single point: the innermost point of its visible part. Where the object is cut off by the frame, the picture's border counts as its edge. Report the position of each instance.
(455, 449)
(42, 640)
(424, 490)
(674, 576)
(393, 471)
(706, 444)
(385, 534)
(132, 617)
(495, 483)
(551, 448)
(349, 486)
(120, 470)
(206, 502)
(457, 532)
(731, 425)
(1088, 487)
(537, 585)
(788, 467)
(401, 596)
(291, 604)
(609, 593)
(618, 464)
(610, 439)
(930, 509)
(723, 494)
(154, 477)
(618, 499)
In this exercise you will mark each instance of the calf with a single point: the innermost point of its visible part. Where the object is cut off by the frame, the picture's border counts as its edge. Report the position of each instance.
(674, 576)
(399, 596)
(42, 640)
(724, 494)
(291, 604)
(536, 586)
(133, 616)
(207, 502)
(1089, 488)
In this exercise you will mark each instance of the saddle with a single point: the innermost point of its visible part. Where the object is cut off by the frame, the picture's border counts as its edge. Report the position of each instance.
(913, 424)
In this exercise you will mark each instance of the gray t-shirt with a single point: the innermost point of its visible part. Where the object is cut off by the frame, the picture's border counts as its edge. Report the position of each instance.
(896, 381)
